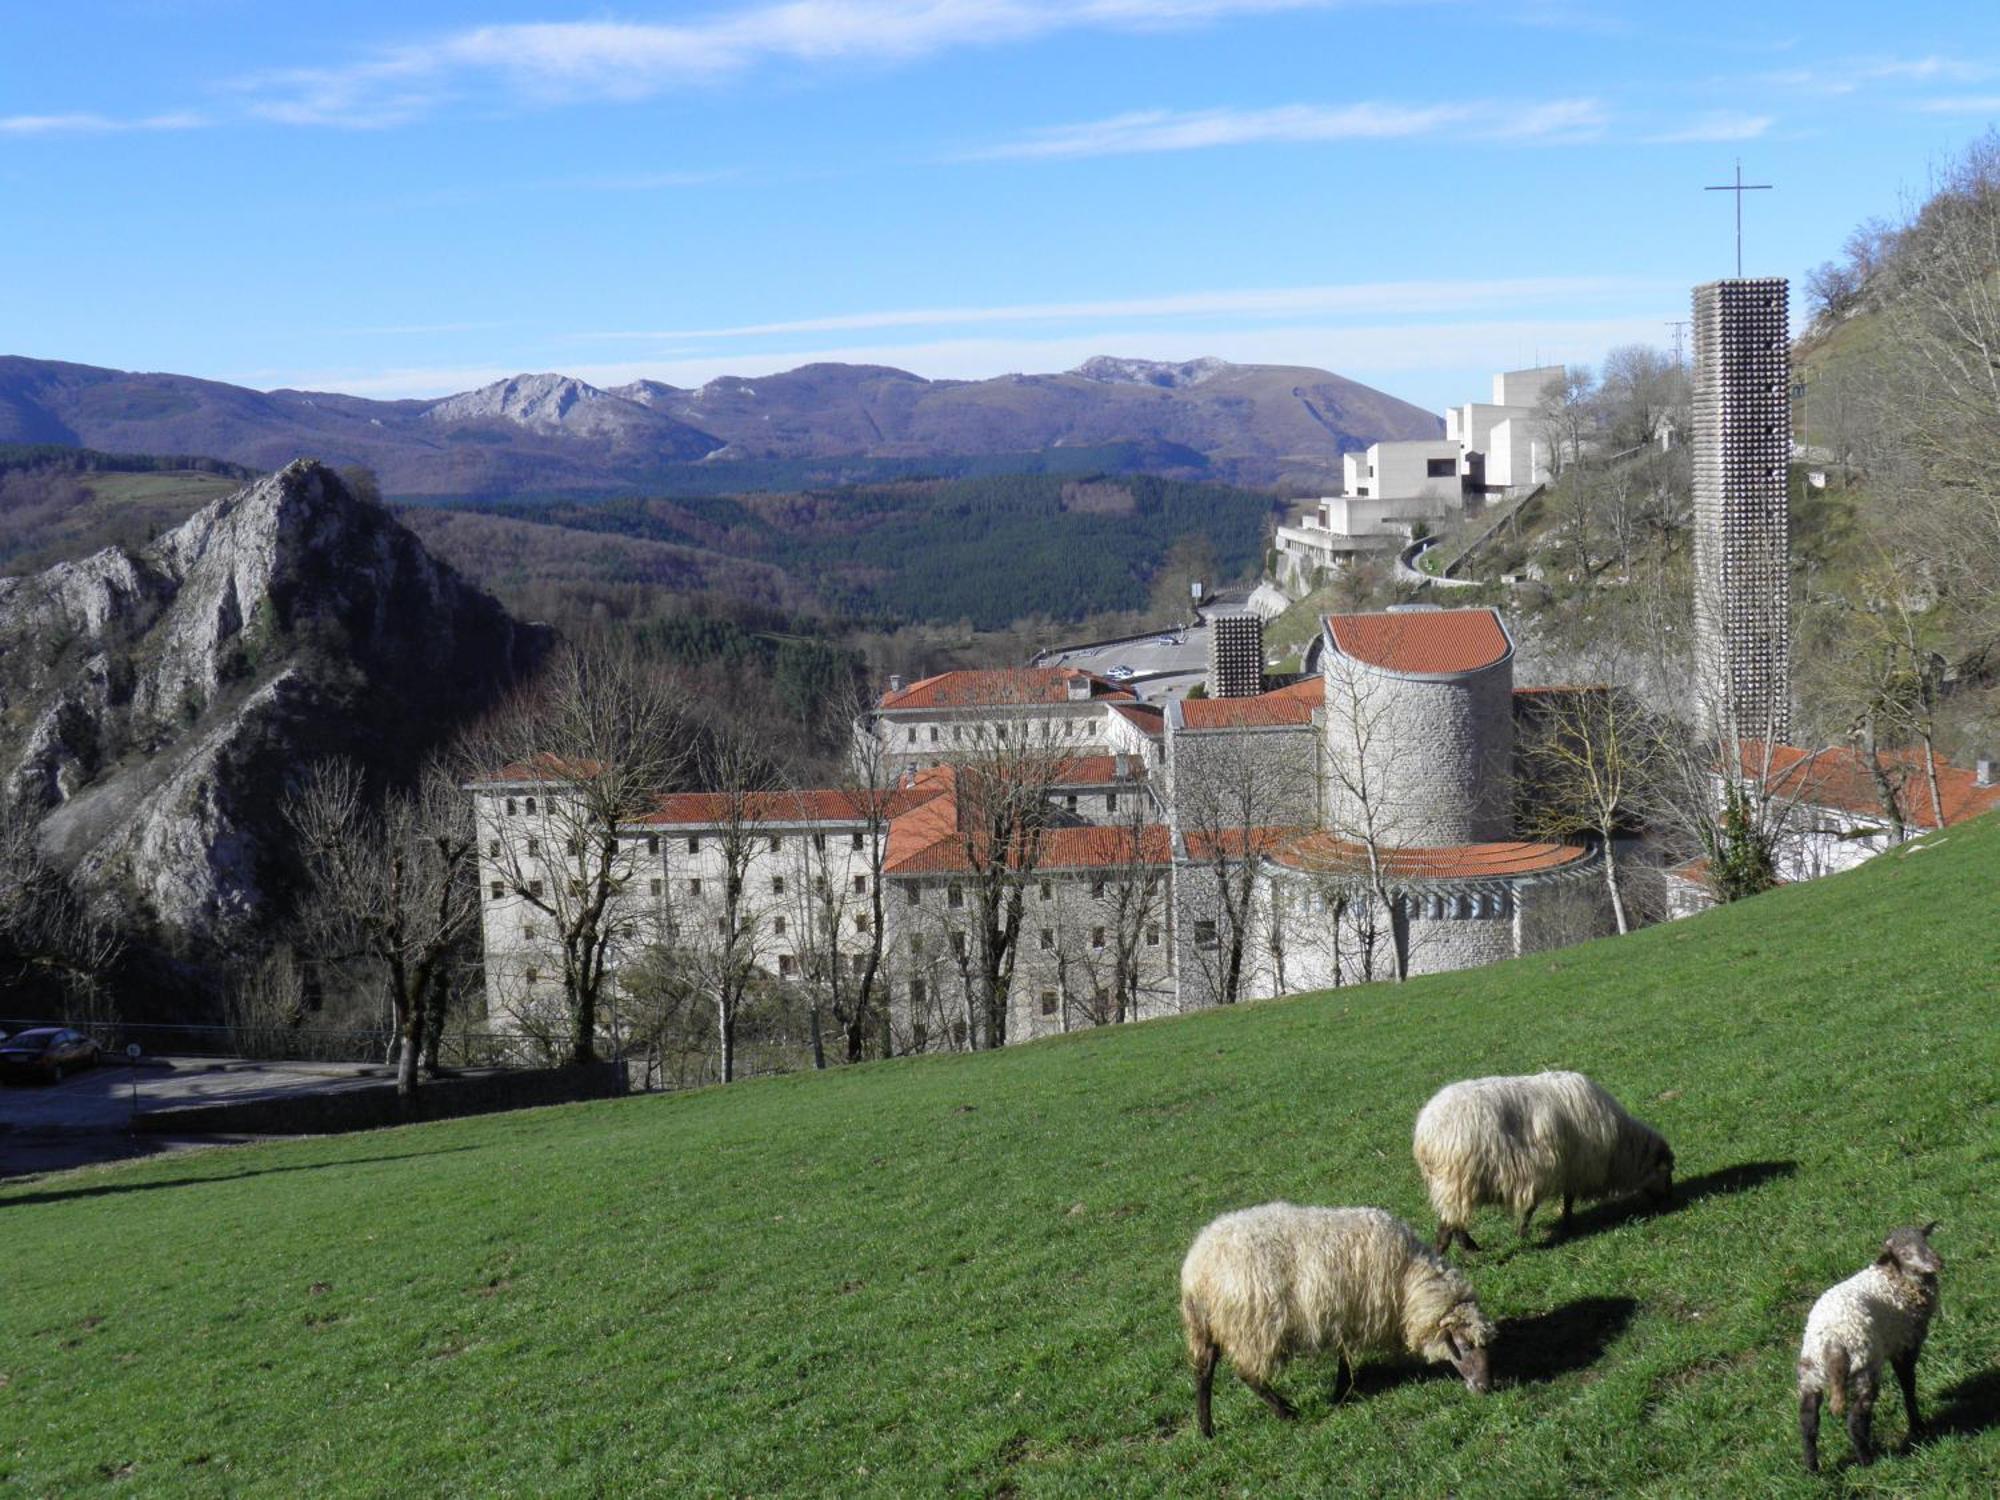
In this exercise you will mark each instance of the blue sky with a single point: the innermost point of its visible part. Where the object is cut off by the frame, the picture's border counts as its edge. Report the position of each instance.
(409, 199)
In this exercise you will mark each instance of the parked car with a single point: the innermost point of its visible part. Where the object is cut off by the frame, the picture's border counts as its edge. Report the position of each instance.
(46, 1052)
(1120, 673)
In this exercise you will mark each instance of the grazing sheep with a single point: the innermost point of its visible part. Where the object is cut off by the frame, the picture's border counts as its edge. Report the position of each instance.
(1880, 1313)
(1518, 1141)
(1265, 1283)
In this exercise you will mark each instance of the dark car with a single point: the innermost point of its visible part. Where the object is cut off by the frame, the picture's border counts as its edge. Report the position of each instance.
(46, 1052)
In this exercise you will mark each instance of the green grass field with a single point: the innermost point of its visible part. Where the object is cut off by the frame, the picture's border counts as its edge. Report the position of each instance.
(189, 489)
(957, 1275)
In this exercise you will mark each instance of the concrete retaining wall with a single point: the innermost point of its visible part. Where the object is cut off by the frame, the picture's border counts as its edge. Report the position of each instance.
(370, 1108)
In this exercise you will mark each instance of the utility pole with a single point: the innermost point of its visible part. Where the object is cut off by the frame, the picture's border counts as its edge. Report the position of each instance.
(1739, 188)
(1679, 328)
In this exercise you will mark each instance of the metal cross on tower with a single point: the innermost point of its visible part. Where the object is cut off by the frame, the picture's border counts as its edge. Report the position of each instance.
(1739, 187)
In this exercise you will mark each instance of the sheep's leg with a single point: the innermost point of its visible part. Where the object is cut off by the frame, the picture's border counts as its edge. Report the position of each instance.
(1204, 1384)
(1527, 1217)
(1809, 1428)
(1906, 1376)
(1280, 1407)
(1467, 1241)
(1562, 1224)
(1444, 1237)
(1343, 1378)
(1860, 1412)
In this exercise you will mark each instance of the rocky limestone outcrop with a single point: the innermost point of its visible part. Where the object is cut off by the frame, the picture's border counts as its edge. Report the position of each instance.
(155, 705)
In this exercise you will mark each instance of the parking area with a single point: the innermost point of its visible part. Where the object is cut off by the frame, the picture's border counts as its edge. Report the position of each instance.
(1163, 666)
(88, 1116)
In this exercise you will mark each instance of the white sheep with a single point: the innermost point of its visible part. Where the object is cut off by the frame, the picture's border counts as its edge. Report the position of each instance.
(1521, 1141)
(1265, 1283)
(1881, 1313)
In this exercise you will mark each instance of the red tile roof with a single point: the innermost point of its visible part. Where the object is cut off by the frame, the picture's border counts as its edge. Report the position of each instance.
(541, 769)
(1143, 717)
(1322, 851)
(1424, 641)
(925, 839)
(1001, 687)
(1100, 770)
(713, 809)
(1280, 706)
(1839, 778)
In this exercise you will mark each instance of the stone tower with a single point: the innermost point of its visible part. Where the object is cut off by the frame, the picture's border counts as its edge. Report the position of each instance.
(1742, 531)
(1235, 653)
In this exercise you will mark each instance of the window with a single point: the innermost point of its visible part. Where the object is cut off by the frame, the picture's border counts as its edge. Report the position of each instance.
(574, 847)
(659, 887)
(531, 805)
(511, 808)
(958, 944)
(499, 890)
(911, 896)
(1101, 999)
(916, 992)
(861, 921)
(613, 842)
(916, 945)
(722, 925)
(694, 887)
(776, 843)
(1048, 892)
(529, 931)
(855, 843)
(534, 847)
(857, 962)
(653, 843)
(1204, 934)
(778, 926)
(1048, 938)
(1070, 802)
(1097, 937)
(934, 734)
(911, 737)
(861, 885)
(694, 845)
(955, 897)
(1097, 890)
(1048, 1002)
(531, 973)
(1111, 802)
(1068, 728)
(534, 888)
(786, 963)
(493, 849)
(1152, 937)
(1440, 468)
(777, 885)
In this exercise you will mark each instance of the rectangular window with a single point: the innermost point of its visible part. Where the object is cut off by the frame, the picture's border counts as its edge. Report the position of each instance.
(1152, 937)
(573, 847)
(511, 808)
(786, 963)
(777, 885)
(916, 992)
(819, 843)
(1440, 468)
(916, 945)
(1070, 802)
(493, 849)
(776, 843)
(531, 805)
(1204, 934)
(531, 973)
(958, 944)
(855, 843)
(653, 843)
(1097, 937)
(694, 887)
(861, 885)
(911, 737)
(1048, 938)
(722, 925)
(1111, 802)
(911, 896)
(1097, 890)
(955, 897)
(861, 921)
(934, 734)
(534, 847)
(1048, 1002)
(529, 931)
(694, 845)
(499, 890)
(1048, 892)
(778, 926)
(614, 845)
(534, 888)
(659, 887)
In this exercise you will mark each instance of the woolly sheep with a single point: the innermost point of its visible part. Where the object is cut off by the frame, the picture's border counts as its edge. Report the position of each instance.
(1265, 1283)
(1520, 1141)
(1880, 1313)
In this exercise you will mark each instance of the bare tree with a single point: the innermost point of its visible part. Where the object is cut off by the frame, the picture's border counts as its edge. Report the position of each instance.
(600, 736)
(390, 883)
(47, 933)
(730, 960)
(1567, 415)
(1591, 757)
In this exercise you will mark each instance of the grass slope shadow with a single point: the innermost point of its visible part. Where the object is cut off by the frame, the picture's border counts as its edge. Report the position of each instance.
(1723, 1182)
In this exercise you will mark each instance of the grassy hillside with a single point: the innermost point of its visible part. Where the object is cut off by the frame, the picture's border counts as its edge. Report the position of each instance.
(957, 1275)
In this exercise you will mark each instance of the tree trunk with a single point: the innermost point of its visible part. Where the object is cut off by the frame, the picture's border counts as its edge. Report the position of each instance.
(725, 1025)
(818, 1043)
(1931, 777)
(1611, 885)
(1399, 934)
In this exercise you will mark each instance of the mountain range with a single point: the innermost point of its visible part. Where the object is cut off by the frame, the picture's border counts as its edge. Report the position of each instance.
(550, 433)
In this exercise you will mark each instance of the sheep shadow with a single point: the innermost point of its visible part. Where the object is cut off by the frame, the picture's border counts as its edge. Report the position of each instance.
(1968, 1408)
(1526, 1351)
(1724, 1182)
(1563, 1341)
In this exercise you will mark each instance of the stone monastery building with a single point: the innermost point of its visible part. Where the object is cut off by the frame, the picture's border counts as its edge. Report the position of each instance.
(1131, 860)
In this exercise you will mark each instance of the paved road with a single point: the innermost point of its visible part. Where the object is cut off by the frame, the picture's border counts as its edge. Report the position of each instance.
(87, 1117)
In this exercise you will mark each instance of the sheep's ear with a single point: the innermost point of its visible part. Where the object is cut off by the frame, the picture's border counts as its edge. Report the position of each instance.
(1887, 1257)
(1930, 1229)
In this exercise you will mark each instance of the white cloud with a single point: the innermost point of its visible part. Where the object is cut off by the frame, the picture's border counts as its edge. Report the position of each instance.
(627, 60)
(1716, 125)
(1195, 130)
(1848, 75)
(94, 124)
(1373, 298)
(1977, 104)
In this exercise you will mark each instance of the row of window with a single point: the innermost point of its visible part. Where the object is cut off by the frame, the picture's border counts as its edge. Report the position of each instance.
(1072, 728)
(1048, 937)
(776, 842)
